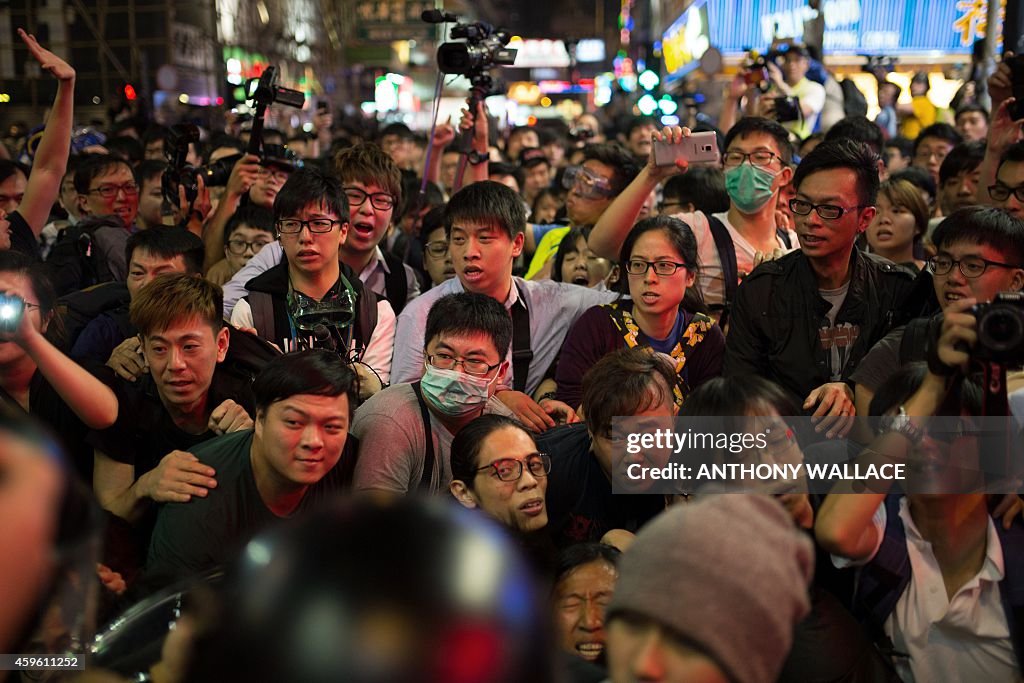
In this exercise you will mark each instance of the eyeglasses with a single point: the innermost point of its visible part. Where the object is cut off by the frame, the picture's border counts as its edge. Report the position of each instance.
(1001, 193)
(292, 226)
(437, 248)
(238, 247)
(665, 205)
(110, 191)
(587, 183)
(276, 174)
(382, 201)
(661, 268)
(970, 266)
(829, 212)
(444, 361)
(758, 158)
(511, 469)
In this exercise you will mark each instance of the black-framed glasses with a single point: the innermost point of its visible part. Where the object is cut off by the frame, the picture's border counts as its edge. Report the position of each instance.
(382, 201)
(1001, 193)
(970, 266)
(292, 226)
(661, 268)
(110, 191)
(238, 247)
(665, 205)
(762, 157)
(275, 173)
(511, 469)
(829, 212)
(444, 361)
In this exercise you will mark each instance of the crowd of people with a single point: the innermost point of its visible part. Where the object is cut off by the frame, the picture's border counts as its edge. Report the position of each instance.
(336, 322)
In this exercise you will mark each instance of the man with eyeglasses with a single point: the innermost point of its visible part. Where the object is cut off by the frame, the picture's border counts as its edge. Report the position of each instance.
(980, 252)
(805, 320)
(372, 184)
(249, 230)
(106, 187)
(405, 432)
(730, 244)
(1008, 190)
(606, 170)
(312, 299)
(932, 147)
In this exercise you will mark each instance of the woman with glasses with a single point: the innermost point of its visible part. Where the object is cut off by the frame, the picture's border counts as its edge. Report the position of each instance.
(663, 313)
(899, 226)
(496, 468)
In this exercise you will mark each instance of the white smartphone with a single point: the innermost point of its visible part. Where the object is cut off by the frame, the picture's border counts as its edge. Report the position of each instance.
(697, 147)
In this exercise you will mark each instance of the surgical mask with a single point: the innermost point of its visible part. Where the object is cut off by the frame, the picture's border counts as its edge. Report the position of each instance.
(749, 187)
(453, 393)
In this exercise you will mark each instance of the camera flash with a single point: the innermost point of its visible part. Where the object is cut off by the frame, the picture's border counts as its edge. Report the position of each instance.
(6, 312)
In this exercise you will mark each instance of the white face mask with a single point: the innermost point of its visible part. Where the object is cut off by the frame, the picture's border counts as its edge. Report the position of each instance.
(454, 393)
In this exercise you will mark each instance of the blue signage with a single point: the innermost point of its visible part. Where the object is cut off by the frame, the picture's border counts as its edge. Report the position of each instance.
(878, 27)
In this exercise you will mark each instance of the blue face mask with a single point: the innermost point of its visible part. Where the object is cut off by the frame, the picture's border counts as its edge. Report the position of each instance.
(749, 187)
(453, 393)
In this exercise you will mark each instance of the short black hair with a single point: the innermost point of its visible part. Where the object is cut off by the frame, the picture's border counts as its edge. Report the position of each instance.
(965, 157)
(983, 225)
(252, 215)
(168, 242)
(905, 146)
(1013, 154)
(620, 159)
(566, 247)
(579, 554)
(941, 131)
(500, 168)
(94, 166)
(759, 124)
(147, 170)
(486, 202)
(9, 168)
(126, 148)
(315, 372)
(638, 122)
(738, 396)
(467, 444)
(702, 186)
(400, 129)
(918, 177)
(469, 313)
(621, 384)
(971, 107)
(311, 185)
(858, 128)
(833, 154)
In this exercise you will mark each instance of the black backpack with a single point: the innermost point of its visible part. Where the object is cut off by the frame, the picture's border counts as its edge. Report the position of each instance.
(79, 308)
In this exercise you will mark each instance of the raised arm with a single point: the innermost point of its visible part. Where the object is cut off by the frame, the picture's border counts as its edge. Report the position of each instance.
(617, 220)
(51, 157)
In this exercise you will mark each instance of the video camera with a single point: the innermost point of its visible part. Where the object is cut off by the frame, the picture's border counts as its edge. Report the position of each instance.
(484, 47)
(263, 92)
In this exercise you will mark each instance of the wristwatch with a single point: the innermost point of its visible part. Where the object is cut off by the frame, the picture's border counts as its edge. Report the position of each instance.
(477, 158)
(901, 423)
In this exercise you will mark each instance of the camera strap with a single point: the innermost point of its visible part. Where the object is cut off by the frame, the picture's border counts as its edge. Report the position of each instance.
(522, 354)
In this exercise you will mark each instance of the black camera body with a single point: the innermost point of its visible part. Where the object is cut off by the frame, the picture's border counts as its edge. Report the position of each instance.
(787, 109)
(12, 308)
(1001, 330)
(483, 49)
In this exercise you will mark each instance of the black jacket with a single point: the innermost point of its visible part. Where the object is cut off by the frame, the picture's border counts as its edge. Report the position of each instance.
(274, 282)
(778, 313)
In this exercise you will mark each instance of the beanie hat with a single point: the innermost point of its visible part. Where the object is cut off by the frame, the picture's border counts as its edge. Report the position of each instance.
(728, 574)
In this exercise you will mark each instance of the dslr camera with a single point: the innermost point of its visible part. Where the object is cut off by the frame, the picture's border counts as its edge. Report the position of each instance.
(787, 109)
(1001, 330)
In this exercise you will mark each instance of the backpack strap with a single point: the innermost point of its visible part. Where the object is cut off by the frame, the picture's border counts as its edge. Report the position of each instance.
(783, 236)
(262, 306)
(366, 316)
(429, 457)
(522, 354)
(396, 284)
(730, 271)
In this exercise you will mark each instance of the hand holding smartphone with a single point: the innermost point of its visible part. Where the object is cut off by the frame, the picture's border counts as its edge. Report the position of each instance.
(694, 148)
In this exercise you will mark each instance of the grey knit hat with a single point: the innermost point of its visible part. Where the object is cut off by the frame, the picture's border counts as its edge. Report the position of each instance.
(729, 574)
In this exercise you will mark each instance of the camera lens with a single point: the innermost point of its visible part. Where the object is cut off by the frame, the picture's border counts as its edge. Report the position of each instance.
(1001, 329)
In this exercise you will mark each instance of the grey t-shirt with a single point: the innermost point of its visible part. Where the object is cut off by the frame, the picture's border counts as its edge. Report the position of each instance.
(836, 341)
(393, 445)
(881, 361)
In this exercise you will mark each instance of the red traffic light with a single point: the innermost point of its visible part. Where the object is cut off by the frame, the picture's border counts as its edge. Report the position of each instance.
(129, 92)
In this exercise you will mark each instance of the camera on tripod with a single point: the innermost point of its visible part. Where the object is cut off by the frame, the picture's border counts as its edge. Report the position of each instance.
(1001, 330)
(263, 92)
(484, 46)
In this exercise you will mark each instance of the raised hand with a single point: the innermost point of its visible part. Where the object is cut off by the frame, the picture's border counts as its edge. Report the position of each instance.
(60, 69)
